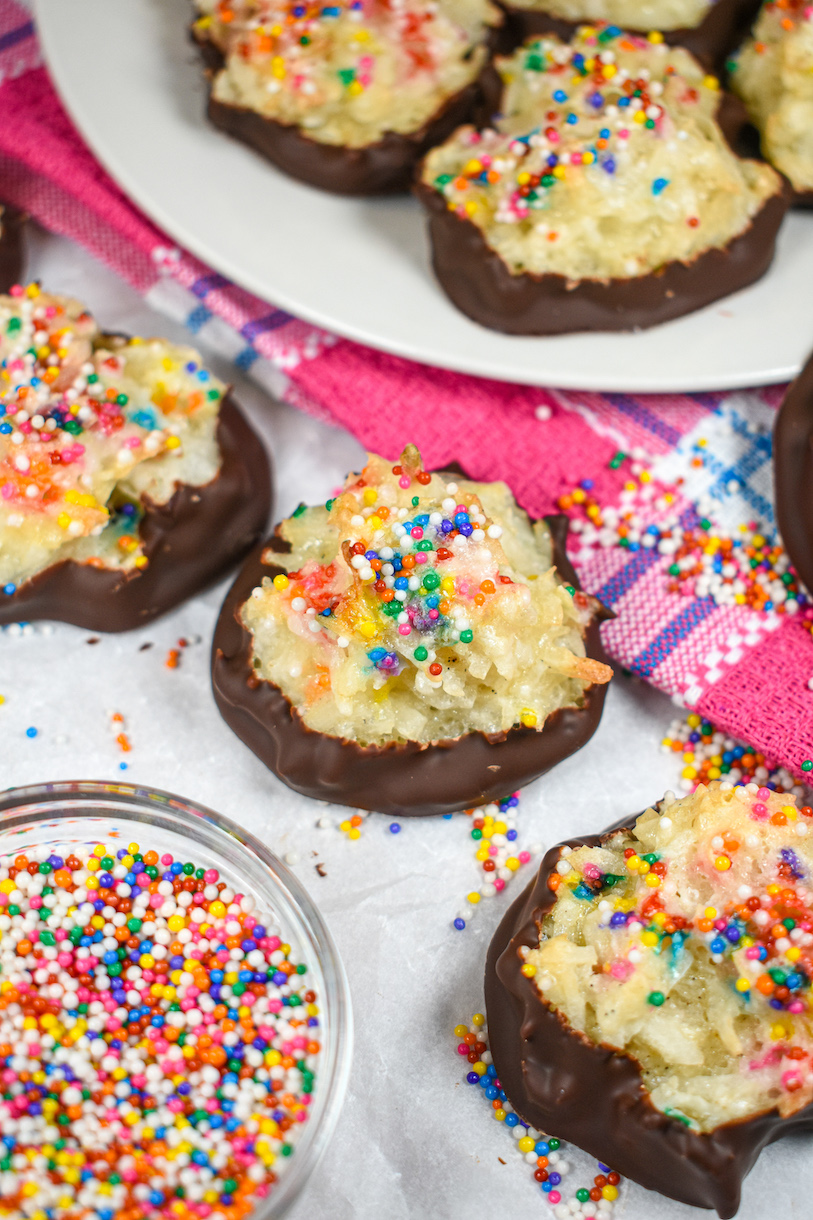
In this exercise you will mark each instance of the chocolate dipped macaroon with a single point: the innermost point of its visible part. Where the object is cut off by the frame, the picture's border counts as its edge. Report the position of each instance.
(773, 74)
(793, 472)
(129, 479)
(350, 95)
(11, 246)
(649, 995)
(604, 197)
(709, 29)
(415, 646)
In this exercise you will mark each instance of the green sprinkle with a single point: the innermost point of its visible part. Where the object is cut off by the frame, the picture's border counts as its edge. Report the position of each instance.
(420, 653)
(134, 925)
(122, 400)
(431, 580)
(416, 501)
(347, 75)
(299, 510)
(92, 378)
(554, 1143)
(570, 589)
(583, 1195)
(466, 637)
(656, 998)
(807, 765)
(14, 324)
(328, 505)
(47, 938)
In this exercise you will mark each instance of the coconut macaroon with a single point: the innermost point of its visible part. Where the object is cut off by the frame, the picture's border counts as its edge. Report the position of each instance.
(346, 95)
(128, 480)
(667, 967)
(604, 197)
(419, 630)
(707, 28)
(773, 74)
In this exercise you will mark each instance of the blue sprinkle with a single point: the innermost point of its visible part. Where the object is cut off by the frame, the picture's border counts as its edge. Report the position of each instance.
(395, 828)
(9, 589)
(572, 119)
(32, 732)
(659, 185)
(460, 924)
(559, 96)
(609, 166)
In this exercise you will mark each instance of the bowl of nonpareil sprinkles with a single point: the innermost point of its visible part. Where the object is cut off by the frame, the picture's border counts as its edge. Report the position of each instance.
(175, 1023)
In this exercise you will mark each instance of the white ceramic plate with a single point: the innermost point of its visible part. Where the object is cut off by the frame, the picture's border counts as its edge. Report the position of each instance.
(133, 84)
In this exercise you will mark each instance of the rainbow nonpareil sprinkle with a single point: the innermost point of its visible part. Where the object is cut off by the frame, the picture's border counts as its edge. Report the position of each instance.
(158, 1041)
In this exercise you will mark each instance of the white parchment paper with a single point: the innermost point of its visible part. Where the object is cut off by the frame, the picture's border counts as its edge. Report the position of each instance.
(414, 1141)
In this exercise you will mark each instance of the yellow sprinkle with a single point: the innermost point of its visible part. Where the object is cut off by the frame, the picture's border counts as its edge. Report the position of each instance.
(354, 833)
(722, 863)
(655, 36)
(369, 496)
(633, 863)
(513, 863)
(355, 88)
(610, 1192)
(711, 82)
(281, 582)
(368, 630)
(653, 881)
(650, 939)
(742, 985)
(63, 521)
(173, 442)
(793, 954)
(473, 898)
(528, 717)
(478, 1019)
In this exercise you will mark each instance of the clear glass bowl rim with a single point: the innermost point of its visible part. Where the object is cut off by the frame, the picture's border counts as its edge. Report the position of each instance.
(140, 802)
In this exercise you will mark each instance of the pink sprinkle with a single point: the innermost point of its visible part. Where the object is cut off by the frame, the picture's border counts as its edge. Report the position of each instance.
(405, 481)
(210, 876)
(796, 1006)
(420, 557)
(167, 859)
(759, 812)
(524, 857)
(16, 291)
(554, 1196)
(499, 884)
(764, 793)
(7, 491)
(404, 629)
(623, 134)
(433, 614)
(752, 953)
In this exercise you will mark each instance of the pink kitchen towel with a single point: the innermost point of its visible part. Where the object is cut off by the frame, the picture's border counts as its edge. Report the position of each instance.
(670, 495)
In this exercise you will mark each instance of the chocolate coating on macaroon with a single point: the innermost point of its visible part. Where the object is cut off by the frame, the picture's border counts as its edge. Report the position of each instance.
(793, 473)
(404, 779)
(190, 542)
(480, 284)
(724, 26)
(384, 167)
(11, 246)
(594, 1096)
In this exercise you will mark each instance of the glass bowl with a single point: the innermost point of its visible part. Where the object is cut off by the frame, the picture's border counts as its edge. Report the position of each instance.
(88, 813)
